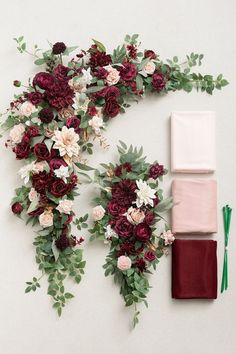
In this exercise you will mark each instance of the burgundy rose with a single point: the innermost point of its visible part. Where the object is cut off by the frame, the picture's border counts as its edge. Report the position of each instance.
(41, 151)
(142, 232)
(115, 209)
(46, 115)
(150, 54)
(149, 218)
(100, 59)
(43, 80)
(132, 50)
(123, 227)
(101, 73)
(58, 188)
(58, 48)
(22, 150)
(111, 108)
(37, 212)
(35, 97)
(128, 71)
(41, 181)
(69, 219)
(156, 171)
(92, 111)
(141, 264)
(124, 192)
(17, 208)
(60, 95)
(126, 248)
(73, 122)
(158, 81)
(127, 167)
(156, 201)
(109, 91)
(56, 163)
(32, 131)
(61, 72)
(149, 256)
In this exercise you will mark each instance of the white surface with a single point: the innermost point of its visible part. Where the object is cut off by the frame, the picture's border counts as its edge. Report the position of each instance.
(96, 321)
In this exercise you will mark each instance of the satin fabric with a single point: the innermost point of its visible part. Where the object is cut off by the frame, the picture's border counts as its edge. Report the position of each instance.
(195, 209)
(194, 269)
(193, 142)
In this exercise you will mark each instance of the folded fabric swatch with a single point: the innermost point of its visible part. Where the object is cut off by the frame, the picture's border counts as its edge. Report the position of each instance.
(194, 269)
(193, 142)
(195, 210)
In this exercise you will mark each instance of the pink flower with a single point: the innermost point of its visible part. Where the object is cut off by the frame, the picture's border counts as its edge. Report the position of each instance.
(135, 215)
(168, 237)
(46, 219)
(98, 213)
(113, 75)
(27, 108)
(124, 263)
(149, 68)
(16, 133)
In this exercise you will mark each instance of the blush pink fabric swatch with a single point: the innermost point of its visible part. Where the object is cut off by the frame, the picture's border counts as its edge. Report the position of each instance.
(193, 142)
(196, 206)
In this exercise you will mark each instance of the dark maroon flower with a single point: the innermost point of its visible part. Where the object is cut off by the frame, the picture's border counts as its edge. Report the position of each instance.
(149, 256)
(127, 167)
(69, 219)
(128, 71)
(37, 212)
(41, 151)
(141, 264)
(58, 188)
(132, 50)
(41, 181)
(115, 209)
(73, 181)
(99, 59)
(158, 81)
(32, 131)
(126, 248)
(109, 91)
(58, 48)
(61, 72)
(142, 232)
(92, 111)
(156, 201)
(124, 192)
(17, 208)
(73, 122)
(123, 227)
(150, 54)
(56, 163)
(101, 73)
(35, 97)
(111, 108)
(149, 218)
(156, 171)
(60, 95)
(43, 80)
(22, 150)
(46, 115)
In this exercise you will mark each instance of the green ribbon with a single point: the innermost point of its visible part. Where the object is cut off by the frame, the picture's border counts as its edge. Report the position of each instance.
(227, 218)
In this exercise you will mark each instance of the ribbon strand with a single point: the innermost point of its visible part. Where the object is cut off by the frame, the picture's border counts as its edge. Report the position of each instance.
(227, 219)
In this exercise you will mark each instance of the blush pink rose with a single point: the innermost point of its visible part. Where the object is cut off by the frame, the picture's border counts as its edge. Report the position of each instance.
(149, 68)
(98, 213)
(124, 263)
(27, 108)
(16, 133)
(46, 219)
(113, 75)
(135, 215)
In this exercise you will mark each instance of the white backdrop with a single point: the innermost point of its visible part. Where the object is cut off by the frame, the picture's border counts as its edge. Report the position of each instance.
(96, 321)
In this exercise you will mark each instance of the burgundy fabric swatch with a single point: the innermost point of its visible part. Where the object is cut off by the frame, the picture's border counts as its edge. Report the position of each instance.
(194, 269)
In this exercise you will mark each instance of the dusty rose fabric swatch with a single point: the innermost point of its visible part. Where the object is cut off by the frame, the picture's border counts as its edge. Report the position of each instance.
(193, 142)
(195, 210)
(194, 269)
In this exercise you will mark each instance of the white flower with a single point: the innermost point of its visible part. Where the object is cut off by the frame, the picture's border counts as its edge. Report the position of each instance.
(109, 233)
(65, 206)
(81, 102)
(25, 171)
(84, 59)
(46, 219)
(98, 213)
(32, 194)
(149, 68)
(87, 77)
(135, 215)
(124, 263)
(27, 108)
(113, 75)
(66, 142)
(62, 172)
(145, 194)
(39, 167)
(168, 237)
(96, 123)
(16, 133)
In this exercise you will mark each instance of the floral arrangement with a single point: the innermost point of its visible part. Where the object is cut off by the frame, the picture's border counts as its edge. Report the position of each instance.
(52, 124)
(126, 217)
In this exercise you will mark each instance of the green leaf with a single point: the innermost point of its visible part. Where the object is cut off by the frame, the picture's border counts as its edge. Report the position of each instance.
(33, 205)
(84, 167)
(69, 296)
(39, 61)
(100, 46)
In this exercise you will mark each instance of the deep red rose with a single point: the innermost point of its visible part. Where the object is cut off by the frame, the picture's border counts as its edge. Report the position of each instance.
(156, 171)
(128, 71)
(127, 167)
(149, 256)
(115, 209)
(41, 151)
(111, 108)
(158, 81)
(58, 188)
(41, 181)
(126, 248)
(92, 111)
(61, 72)
(124, 192)
(109, 91)
(32, 131)
(17, 208)
(69, 219)
(35, 97)
(43, 80)
(60, 95)
(101, 73)
(132, 50)
(149, 218)
(46, 115)
(141, 264)
(156, 201)
(56, 163)
(99, 59)
(58, 48)
(150, 54)
(73, 122)
(37, 212)
(22, 150)
(123, 227)
(142, 232)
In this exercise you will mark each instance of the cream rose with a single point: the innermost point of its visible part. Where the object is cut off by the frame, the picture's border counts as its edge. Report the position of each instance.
(96, 123)
(39, 167)
(113, 75)
(32, 194)
(135, 215)
(46, 219)
(16, 133)
(168, 237)
(124, 263)
(27, 108)
(65, 206)
(98, 212)
(149, 68)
